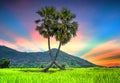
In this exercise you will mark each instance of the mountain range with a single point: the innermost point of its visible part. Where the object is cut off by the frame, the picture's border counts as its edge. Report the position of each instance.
(35, 59)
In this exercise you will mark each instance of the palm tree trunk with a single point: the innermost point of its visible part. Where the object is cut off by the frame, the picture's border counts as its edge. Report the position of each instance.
(47, 68)
(50, 53)
(57, 56)
(53, 60)
(59, 66)
(57, 51)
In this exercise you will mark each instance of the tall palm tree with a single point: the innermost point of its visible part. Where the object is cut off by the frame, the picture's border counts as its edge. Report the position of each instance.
(66, 28)
(47, 28)
(47, 22)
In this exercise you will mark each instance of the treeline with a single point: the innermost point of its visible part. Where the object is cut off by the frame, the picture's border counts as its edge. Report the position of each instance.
(4, 63)
(34, 65)
(54, 66)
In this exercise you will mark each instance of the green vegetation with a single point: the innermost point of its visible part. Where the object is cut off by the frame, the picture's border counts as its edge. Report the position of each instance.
(63, 65)
(4, 63)
(73, 75)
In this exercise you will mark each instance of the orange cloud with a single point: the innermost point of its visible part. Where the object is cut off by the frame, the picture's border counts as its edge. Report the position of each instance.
(108, 46)
(112, 62)
(102, 56)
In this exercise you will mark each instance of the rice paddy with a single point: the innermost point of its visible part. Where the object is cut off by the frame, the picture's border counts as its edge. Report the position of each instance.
(70, 75)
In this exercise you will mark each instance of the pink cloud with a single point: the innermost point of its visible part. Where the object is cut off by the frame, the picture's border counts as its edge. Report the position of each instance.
(19, 42)
(9, 44)
(26, 44)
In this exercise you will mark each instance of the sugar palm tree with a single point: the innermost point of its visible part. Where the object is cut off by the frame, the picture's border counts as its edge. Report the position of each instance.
(47, 28)
(66, 28)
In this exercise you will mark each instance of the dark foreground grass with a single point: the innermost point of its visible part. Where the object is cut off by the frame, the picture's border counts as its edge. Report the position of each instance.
(73, 75)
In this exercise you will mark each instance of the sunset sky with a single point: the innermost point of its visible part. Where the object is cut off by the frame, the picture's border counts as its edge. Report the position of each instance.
(98, 35)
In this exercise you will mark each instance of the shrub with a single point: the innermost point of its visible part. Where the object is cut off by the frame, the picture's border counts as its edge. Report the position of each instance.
(4, 63)
(63, 65)
(42, 66)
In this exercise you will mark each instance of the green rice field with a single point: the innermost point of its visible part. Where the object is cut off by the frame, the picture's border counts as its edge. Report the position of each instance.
(70, 75)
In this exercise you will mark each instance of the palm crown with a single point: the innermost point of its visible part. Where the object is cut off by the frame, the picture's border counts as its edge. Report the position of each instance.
(48, 22)
(66, 29)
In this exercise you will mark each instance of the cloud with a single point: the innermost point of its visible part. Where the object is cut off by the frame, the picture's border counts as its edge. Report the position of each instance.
(26, 44)
(103, 48)
(102, 56)
(9, 44)
(104, 52)
(112, 62)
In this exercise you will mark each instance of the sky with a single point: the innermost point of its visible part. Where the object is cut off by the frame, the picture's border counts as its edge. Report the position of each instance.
(98, 35)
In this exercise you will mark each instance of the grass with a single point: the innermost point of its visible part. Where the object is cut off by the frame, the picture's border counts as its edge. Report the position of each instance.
(72, 75)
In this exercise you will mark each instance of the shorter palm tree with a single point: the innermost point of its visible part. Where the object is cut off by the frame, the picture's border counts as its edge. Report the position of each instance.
(48, 22)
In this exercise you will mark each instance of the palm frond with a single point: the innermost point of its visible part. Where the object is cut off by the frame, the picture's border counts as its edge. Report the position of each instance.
(37, 21)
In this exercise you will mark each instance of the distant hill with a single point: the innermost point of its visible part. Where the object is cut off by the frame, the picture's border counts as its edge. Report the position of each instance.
(35, 59)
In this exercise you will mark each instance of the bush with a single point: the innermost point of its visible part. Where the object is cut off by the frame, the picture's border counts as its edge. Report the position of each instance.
(63, 65)
(42, 66)
(4, 63)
